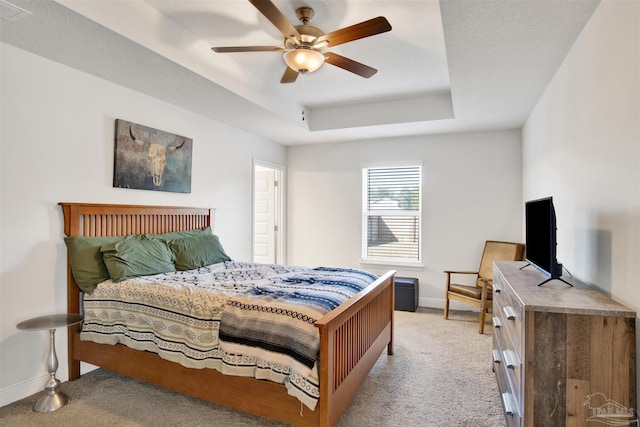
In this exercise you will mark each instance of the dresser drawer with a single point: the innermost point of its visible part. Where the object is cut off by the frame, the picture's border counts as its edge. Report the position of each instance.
(509, 311)
(512, 413)
(508, 364)
(498, 366)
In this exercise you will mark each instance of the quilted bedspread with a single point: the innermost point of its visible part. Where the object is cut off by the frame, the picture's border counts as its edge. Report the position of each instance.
(238, 318)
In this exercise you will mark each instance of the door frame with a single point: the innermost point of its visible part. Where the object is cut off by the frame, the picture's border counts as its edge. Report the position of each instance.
(280, 204)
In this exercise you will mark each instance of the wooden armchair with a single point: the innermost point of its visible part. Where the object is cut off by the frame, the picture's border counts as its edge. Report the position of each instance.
(480, 295)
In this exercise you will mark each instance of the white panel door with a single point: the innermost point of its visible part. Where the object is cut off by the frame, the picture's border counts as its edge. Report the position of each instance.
(264, 236)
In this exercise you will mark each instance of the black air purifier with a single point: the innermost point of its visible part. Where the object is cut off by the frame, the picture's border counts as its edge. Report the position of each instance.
(406, 293)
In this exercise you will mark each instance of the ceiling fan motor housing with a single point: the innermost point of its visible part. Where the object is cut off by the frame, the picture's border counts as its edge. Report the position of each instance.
(304, 14)
(308, 35)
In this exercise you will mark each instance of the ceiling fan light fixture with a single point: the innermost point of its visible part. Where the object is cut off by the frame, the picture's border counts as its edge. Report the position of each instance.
(303, 59)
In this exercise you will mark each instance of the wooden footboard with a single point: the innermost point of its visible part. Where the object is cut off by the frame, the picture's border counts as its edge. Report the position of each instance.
(352, 336)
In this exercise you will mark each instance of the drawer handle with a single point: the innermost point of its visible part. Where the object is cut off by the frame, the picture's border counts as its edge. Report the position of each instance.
(510, 312)
(496, 356)
(510, 359)
(497, 323)
(507, 401)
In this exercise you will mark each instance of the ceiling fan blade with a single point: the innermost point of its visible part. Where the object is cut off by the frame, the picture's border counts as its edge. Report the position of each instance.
(354, 32)
(349, 65)
(229, 49)
(290, 75)
(276, 17)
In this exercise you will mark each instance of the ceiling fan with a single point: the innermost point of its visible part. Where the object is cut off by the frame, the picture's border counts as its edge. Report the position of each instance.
(303, 44)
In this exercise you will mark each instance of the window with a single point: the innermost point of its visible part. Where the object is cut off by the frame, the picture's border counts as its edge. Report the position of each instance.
(391, 217)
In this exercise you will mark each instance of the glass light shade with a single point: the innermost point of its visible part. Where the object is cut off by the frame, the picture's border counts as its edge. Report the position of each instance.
(303, 59)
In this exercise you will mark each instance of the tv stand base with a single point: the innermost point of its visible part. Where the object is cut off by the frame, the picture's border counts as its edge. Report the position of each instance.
(555, 278)
(549, 279)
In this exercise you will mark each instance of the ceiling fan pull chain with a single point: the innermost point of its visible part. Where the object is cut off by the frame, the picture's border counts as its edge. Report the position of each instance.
(303, 79)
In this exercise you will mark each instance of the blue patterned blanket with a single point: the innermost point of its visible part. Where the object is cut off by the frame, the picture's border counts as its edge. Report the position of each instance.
(275, 321)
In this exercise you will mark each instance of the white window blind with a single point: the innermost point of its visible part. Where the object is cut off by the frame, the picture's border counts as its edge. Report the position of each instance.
(392, 213)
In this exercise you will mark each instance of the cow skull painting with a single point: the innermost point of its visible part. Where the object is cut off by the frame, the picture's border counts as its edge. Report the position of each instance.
(150, 159)
(157, 156)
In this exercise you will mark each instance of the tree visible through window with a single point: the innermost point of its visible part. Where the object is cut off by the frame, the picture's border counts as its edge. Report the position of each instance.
(392, 213)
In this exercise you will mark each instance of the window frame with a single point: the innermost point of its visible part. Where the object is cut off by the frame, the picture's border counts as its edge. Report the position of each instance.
(365, 214)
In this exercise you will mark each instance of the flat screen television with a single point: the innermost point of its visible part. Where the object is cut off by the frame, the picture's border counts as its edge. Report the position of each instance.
(540, 237)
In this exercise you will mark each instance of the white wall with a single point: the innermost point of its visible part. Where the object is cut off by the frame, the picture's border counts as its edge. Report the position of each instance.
(581, 145)
(471, 193)
(57, 145)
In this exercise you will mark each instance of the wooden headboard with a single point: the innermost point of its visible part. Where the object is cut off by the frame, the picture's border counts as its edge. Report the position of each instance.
(96, 220)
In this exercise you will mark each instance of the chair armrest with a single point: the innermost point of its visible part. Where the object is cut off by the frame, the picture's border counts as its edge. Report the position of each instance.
(450, 272)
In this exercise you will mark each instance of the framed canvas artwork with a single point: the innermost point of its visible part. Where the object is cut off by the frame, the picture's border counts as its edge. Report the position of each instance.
(150, 159)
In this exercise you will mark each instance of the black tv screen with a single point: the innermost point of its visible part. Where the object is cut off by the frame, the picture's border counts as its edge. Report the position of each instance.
(540, 236)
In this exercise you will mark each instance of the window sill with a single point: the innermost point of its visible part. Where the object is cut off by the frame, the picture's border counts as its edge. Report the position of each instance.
(403, 265)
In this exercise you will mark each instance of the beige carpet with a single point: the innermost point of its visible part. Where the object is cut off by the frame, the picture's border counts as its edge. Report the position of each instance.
(440, 375)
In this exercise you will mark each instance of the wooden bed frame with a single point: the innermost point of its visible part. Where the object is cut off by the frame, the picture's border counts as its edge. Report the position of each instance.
(352, 336)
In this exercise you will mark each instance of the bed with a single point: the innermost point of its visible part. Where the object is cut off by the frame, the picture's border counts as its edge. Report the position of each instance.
(351, 336)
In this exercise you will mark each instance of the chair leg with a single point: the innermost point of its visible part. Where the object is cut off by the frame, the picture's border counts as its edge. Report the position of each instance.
(446, 306)
(446, 295)
(483, 306)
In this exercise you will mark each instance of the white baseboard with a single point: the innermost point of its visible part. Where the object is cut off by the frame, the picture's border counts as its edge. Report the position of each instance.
(34, 385)
(23, 389)
(439, 303)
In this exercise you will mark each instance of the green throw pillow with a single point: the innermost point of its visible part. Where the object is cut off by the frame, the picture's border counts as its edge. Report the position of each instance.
(167, 237)
(86, 260)
(197, 251)
(135, 256)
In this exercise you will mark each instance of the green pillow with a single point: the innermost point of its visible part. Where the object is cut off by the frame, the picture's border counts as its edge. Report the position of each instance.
(167, 237)
(135, 256)
(197, 251)
(86, 260)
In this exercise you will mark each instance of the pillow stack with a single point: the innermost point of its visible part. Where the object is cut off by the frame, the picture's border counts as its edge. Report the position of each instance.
(96, 259)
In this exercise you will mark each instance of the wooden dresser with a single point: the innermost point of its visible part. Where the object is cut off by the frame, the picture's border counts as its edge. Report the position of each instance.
(563, 356)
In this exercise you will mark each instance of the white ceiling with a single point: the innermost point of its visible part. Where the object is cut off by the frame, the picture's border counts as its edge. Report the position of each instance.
(447, 66)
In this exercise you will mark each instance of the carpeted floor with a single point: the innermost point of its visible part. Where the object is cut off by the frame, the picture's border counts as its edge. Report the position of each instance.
(440, 375)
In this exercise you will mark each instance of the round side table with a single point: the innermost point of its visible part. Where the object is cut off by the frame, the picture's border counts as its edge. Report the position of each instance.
(54, 399)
